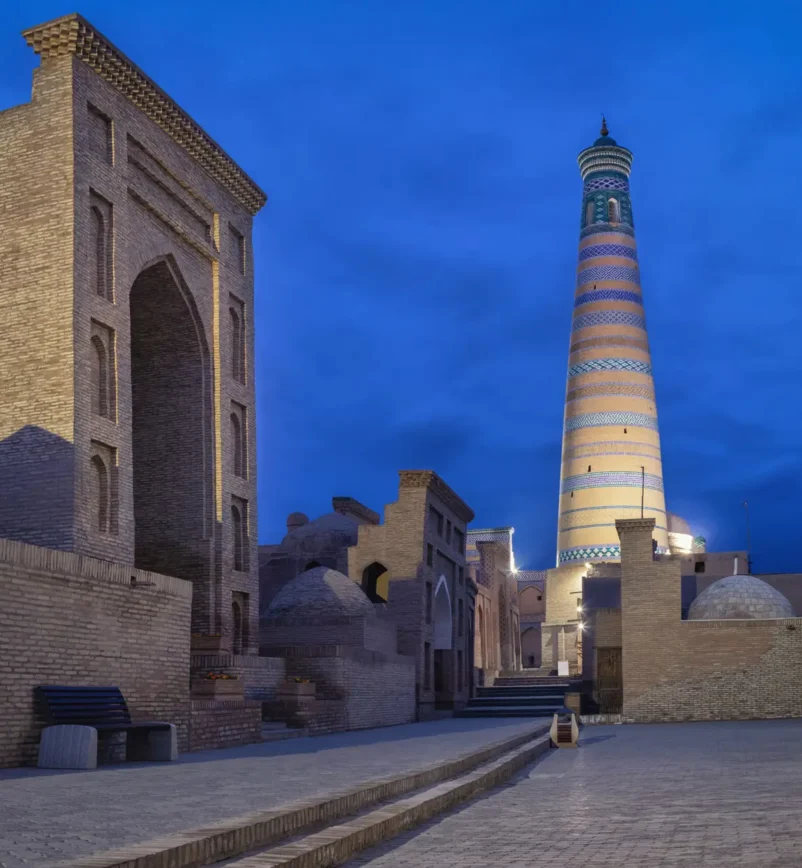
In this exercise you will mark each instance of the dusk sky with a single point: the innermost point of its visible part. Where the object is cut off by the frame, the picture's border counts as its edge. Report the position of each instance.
(415, 262)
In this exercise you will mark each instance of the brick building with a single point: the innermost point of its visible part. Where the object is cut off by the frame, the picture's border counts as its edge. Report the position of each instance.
(491, 562)
(126, 383)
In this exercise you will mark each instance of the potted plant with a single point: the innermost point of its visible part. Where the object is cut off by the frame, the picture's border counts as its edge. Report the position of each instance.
(297, 688)
(218, 685)
(208, 642)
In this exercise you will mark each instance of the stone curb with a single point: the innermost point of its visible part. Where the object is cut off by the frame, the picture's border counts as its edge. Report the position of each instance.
(336, 845)
(225, 840)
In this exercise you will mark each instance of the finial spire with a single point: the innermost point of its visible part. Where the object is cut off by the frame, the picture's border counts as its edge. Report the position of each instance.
(604, 130)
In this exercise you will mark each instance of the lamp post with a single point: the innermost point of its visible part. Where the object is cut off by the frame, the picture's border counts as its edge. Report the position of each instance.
(748, 540)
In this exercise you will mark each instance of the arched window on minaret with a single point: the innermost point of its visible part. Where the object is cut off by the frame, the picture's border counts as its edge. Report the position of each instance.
(589, 213)
(613, 211)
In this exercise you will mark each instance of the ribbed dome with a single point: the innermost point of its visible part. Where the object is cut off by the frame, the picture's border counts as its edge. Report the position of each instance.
(739, 597)
(318, 593)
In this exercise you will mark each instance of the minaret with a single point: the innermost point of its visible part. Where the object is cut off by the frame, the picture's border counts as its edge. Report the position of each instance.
(611, 466)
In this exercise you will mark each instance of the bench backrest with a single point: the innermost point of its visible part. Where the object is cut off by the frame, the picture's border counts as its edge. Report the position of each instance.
(83, 705)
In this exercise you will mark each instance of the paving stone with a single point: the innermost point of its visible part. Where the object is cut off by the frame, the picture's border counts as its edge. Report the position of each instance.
(686, 795)
(47, 816)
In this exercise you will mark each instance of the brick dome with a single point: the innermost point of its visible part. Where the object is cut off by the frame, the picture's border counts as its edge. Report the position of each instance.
(318, 593)
(739, 597)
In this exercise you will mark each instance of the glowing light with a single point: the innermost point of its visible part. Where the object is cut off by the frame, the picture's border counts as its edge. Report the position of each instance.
(581, 627)
(588, 565)
(579, 608)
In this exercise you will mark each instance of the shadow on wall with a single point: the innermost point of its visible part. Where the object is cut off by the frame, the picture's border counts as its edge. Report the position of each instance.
(37, 481)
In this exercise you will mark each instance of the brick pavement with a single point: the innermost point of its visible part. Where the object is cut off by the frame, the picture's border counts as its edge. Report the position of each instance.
(695, 794)
(46, 816)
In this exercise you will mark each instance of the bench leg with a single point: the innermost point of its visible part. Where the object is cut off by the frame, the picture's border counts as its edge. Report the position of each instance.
(163, 745)
(68, 747)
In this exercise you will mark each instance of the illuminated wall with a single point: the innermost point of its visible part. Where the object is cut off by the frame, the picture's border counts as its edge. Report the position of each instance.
(611, 444)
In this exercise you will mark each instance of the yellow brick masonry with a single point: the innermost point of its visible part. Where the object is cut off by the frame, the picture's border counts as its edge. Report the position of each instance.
(697, 670)
(70, 619)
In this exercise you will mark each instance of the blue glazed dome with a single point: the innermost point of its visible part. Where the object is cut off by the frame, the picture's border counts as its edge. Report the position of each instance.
(609, 141)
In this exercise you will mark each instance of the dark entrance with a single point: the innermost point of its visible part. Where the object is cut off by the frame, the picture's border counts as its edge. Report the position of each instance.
(609, 681)
(171, 427)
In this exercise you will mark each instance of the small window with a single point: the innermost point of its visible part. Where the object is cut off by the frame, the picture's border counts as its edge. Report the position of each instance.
(588, 468)
(429, 555)
(540, 597)
(613, 212)
(428, 602)
(448, 531)
(625, 430)
(461, 575)
(589, 213)
(699, 567)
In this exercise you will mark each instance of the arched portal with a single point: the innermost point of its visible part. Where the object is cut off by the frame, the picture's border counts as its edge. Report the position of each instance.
(376, 582)
(442, 616)
(171, 433)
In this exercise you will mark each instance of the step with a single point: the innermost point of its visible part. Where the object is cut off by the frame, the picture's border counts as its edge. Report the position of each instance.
(530, 709)
(336, 844)
(231, 838)
(541, 711)
(280, 732)
(533, 701)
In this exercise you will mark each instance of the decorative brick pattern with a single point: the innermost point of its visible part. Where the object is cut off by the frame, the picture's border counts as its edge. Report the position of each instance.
(608, 317)
(612, 447)
(607, 229)
(590, 553)
(611, 479)
(595, 250)
(594, 365)
(603, 420)
(608, 295)
(606, 182)
(630, 390)
(219, 723)
(598, 273)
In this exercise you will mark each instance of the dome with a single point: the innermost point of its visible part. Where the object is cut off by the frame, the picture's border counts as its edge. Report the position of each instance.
(605, 141)
(320, 592)
(296, 520)
(677, 524)
(739, 597)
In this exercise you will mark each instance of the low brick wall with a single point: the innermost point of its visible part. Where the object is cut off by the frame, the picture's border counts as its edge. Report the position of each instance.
(356, 688)
(73, 620)
(261, 675)
(223, 723)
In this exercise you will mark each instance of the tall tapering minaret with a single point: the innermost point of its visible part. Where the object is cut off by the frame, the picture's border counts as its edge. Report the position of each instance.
(611, 466)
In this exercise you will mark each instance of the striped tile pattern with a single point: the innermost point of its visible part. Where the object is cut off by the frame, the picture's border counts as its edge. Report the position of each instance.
(609, 317)
(610, 426)
(601, 420)
(597, 273)
(632, 365)
(608, 295)
(594, 250)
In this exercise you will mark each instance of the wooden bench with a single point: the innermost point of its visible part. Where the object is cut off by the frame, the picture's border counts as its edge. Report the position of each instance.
(75, 717)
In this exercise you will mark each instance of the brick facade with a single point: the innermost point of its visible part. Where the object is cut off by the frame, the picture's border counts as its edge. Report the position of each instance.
(68, 619)
(421, 545)
(697, 670)
(126, 284)
(219, 723)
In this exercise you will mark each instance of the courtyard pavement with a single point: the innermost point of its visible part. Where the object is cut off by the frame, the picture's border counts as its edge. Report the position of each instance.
(688, 794)
(46, 816)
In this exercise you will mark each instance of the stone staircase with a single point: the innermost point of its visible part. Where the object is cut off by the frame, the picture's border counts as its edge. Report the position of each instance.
(520, 694)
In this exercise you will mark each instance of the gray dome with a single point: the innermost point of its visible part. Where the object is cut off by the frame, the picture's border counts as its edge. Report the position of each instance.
(296, 520)
(319, 593)
(332, 525)
(739, 597)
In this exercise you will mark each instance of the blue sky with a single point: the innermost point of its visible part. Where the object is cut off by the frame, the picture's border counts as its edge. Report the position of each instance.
(415, 263)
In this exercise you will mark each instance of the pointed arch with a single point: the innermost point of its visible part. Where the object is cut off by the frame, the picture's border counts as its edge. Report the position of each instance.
(443, 628)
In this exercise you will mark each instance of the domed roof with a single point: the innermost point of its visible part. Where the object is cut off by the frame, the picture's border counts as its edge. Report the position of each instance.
(605, 141)
(331, 524)
(739, 597)
(296, 519)
(677, 524)
(320, 592)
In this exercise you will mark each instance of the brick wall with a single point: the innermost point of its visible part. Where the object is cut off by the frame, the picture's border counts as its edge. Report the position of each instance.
(220, 723)
(260, 675)
(697, 670)
(563, 587)
(67, 619)
(97, 195)
(375, 689)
